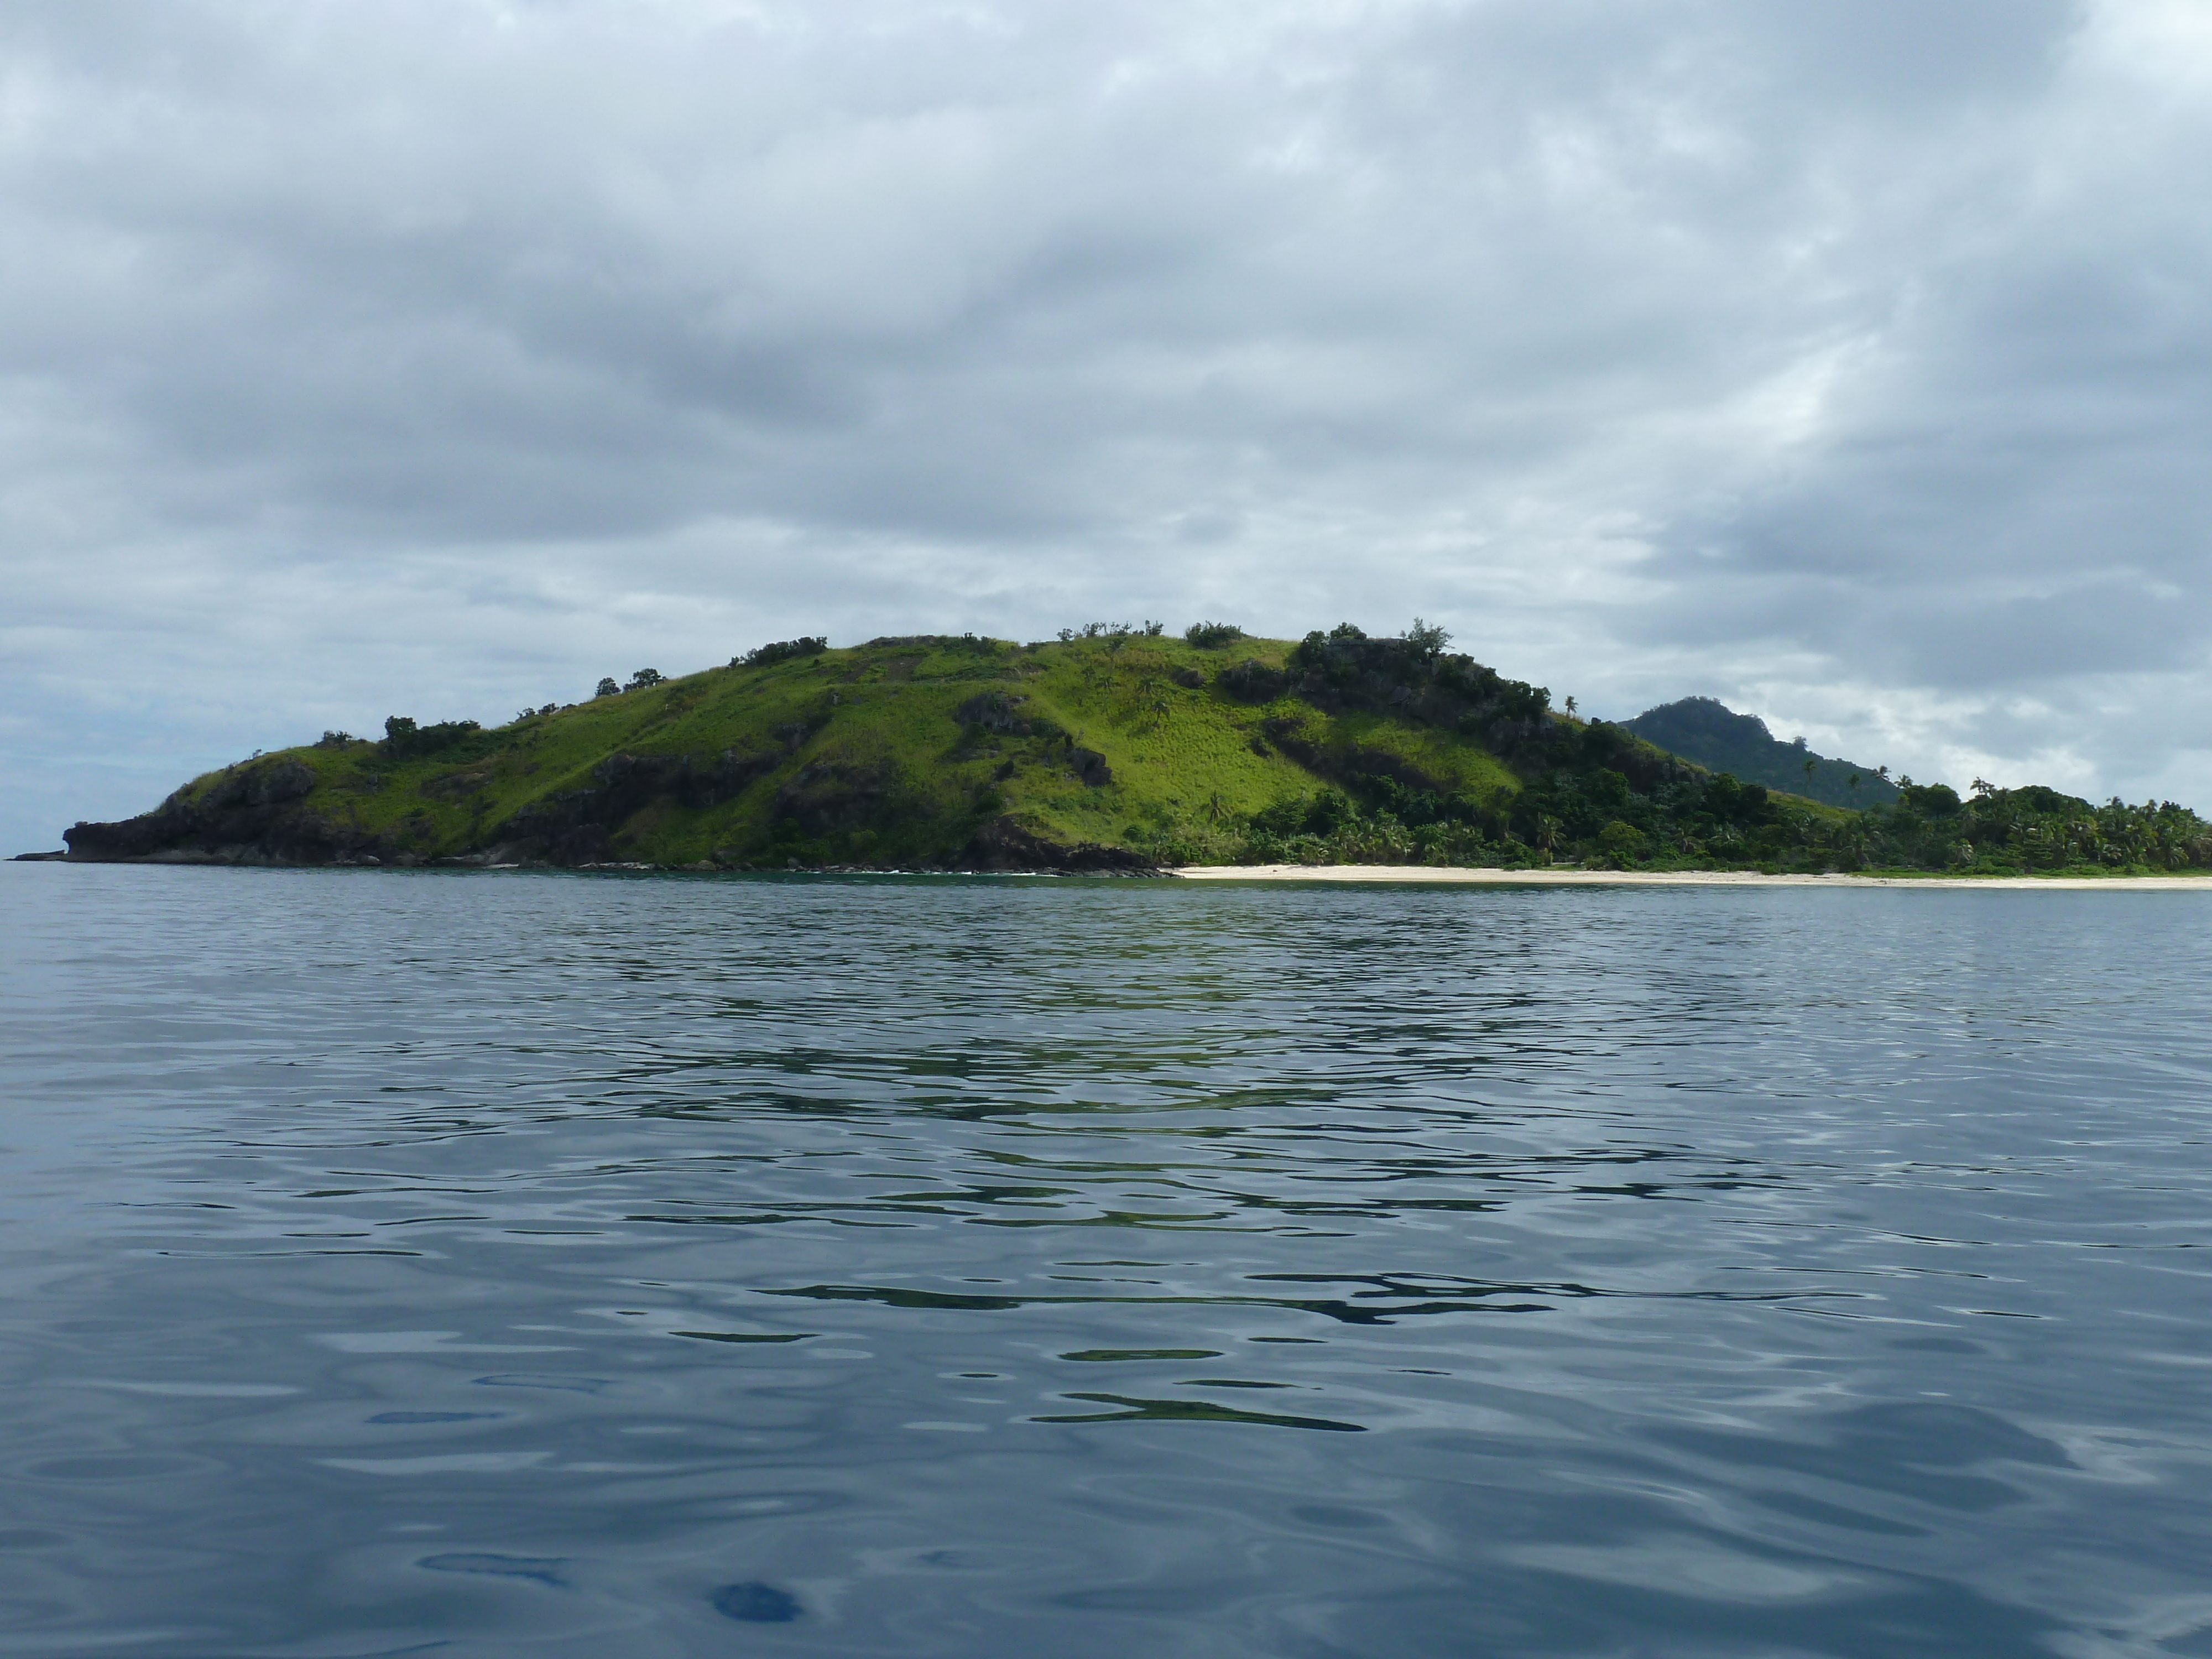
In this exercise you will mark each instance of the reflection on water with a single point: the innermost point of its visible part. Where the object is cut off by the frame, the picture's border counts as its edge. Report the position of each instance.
(553, 1265)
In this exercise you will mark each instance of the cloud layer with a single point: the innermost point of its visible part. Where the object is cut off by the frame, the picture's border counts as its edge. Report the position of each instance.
(1849, 359)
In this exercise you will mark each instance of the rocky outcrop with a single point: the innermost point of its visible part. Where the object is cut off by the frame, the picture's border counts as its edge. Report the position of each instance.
(993, 712)
(1004, 844)
(252, 815)
(834, 799)
(1252, 681)
(578, 826)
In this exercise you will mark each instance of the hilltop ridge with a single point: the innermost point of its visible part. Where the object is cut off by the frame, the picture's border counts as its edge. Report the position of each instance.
(1112, 749)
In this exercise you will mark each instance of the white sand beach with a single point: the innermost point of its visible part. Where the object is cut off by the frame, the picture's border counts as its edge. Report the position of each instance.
(1427, 874)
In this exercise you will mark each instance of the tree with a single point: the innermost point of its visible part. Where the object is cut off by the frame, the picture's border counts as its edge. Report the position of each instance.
(608, 688)
(1621, 840)
(644, 677)
(403, 738)
(810, 645)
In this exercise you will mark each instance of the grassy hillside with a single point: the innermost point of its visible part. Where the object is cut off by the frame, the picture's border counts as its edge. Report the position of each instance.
(899, 751)
(1707, 731)
(1111, 749)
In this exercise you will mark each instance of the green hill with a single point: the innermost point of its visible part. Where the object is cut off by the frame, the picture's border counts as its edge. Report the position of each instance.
(1110, 749)
(1707, 731)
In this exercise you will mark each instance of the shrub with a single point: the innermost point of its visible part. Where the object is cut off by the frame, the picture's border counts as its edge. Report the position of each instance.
(336, 740)
(403, 738)
(781, 651)
(1427, 639)
(1210, 636)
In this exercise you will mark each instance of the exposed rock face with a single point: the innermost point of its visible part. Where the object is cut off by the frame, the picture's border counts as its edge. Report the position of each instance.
(1090, 765)
(263, 786)
(577, 827)
(825, 801)
(251, 816)
(256, 815)
(993, 711)
(1254, 681)
(1004, 844)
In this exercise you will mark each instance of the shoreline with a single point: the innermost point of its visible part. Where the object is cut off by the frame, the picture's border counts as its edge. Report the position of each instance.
(1426, 874)
(1399, 875)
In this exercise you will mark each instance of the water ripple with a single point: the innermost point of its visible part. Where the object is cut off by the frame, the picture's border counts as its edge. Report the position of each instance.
(413, 1263)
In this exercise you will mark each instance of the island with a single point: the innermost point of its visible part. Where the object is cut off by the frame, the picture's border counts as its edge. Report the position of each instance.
(1113, 749)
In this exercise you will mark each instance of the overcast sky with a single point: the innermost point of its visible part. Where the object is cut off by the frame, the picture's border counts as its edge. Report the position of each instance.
(1848, 360)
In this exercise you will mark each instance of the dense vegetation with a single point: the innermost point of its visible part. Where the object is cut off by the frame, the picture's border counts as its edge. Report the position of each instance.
(1705, 730)
(1115, 747)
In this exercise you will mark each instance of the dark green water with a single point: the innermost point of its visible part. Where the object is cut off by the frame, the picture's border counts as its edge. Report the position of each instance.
(481, 1265)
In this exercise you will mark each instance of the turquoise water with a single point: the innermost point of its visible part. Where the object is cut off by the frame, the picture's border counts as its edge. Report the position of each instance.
(553, 1265)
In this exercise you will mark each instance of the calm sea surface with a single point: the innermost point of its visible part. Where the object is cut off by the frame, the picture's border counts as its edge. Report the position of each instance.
(468, 1264)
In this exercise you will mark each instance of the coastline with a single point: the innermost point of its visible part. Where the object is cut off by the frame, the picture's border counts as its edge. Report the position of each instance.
(1428, 874)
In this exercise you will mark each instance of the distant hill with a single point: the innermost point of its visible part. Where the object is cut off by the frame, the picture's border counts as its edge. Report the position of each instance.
(1708, 731)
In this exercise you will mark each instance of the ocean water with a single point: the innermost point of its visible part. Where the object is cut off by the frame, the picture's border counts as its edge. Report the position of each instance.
(468, 1264)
